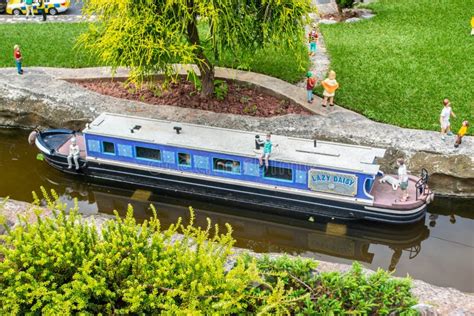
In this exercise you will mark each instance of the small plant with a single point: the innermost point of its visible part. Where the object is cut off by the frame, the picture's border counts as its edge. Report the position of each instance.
(250, 109)
(195, 80)
(220, 89)
(244, 99)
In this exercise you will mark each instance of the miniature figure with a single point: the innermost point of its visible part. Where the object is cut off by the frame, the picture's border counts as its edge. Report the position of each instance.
(403, 178)
(42, 7)
(18, 58)
(313, 40)
(310, 84)
(74, 152)
(462, 131)
(267, 150)
(446, 113)
(29, 8)
(472, 26)
(330, 86)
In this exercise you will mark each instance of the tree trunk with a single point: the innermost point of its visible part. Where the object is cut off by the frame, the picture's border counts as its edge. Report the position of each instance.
(204, 65)
(207, 78)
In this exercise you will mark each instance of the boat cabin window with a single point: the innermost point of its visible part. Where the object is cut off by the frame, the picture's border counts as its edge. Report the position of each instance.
(108, 148)
(279, 173)
(184, 159)
(148, 153)
(226, 165)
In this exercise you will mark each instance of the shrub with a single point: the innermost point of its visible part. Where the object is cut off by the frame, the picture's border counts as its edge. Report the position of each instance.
(64, 265)
(61, 265)
(336, 293)
(342, 4)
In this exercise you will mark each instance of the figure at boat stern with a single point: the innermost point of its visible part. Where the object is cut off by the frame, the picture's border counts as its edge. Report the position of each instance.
(403, 178)
(267, 150)
(73, 154)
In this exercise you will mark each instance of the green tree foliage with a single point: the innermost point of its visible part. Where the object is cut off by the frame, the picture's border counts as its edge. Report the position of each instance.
(150, 35)
(65, 265)
(343, 4)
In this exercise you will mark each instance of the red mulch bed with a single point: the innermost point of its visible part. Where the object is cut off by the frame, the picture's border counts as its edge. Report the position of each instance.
(241, 99)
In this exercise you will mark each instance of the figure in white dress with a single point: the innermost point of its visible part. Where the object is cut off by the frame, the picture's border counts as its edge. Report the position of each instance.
(74, 152)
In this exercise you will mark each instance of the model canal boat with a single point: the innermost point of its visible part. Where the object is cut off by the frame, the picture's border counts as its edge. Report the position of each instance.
(304, 177)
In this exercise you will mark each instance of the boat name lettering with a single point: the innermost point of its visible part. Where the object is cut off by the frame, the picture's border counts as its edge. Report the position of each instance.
(332, 182)
(336, 179)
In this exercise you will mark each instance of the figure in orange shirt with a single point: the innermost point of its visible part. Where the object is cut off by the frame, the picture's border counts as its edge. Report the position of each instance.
(330, 86)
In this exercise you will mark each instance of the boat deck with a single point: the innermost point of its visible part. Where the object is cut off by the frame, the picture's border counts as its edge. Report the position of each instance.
(64, 148)
(385, 196)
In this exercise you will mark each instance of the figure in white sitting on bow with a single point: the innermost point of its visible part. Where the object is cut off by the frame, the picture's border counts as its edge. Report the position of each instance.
(74, 152)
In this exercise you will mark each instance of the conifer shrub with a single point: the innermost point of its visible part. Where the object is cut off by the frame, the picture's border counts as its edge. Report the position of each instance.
(65, 265)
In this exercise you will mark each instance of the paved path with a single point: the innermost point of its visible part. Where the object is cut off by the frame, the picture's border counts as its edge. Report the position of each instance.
(13, 19)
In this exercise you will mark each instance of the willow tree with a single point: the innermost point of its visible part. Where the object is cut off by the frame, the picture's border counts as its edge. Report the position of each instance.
(150, 35)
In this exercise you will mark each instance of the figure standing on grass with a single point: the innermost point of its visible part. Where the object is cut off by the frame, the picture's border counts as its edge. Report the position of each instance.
(462, 131)
(403, 178)
(42, 6)
(330, 86)
(267, 150)
(310, 84)
(18, 58)
(313, 40)
(29, 8)
(446, 114)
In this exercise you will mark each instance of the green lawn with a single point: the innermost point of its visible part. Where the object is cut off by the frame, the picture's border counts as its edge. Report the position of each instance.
(49, 44)
(398, 67)
(52, 45)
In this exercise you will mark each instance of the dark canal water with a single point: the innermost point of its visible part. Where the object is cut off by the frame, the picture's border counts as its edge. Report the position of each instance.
(439, 250)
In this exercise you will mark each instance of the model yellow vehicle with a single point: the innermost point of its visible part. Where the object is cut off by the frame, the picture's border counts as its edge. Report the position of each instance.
(53, 7)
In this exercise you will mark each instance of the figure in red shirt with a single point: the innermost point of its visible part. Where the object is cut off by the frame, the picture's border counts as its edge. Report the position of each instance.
(310, 84)
(18, 58)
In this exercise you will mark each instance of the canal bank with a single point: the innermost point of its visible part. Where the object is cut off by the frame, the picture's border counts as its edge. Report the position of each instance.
(433, 300)
(43, 97)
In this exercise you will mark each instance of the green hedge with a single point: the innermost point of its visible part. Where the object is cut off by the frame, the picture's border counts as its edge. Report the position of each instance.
(62, 265)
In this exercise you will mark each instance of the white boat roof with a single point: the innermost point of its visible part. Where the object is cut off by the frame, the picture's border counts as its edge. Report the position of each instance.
(331, 155)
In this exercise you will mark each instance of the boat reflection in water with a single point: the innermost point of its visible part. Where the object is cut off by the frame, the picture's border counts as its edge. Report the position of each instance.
(264, 233)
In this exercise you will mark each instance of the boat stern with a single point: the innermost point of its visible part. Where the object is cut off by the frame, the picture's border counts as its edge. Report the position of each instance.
(389, 204)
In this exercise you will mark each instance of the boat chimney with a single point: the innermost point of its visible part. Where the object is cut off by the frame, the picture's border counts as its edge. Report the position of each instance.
(177, 129)
(135, 128)
(258, 142)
